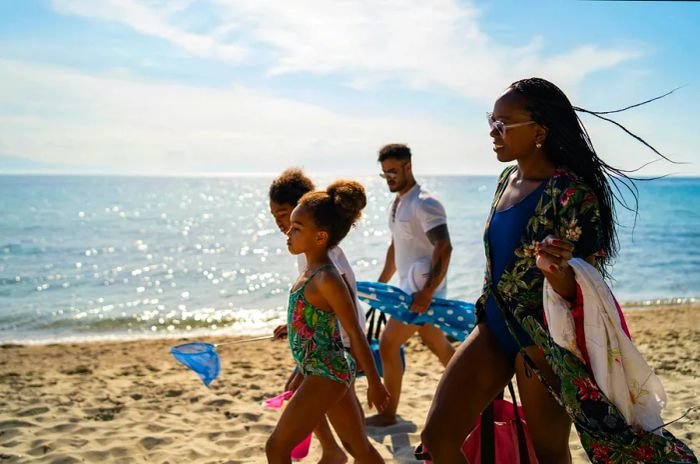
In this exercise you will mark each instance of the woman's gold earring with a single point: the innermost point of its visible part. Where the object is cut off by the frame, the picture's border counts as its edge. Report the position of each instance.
(538, 145)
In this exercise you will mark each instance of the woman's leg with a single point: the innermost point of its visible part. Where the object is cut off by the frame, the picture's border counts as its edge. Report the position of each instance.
(547, 421)
(477, 372)
(347, 419)
(313, 398)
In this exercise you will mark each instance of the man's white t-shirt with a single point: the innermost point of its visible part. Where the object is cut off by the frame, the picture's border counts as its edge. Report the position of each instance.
(417, 213)
(344, 269)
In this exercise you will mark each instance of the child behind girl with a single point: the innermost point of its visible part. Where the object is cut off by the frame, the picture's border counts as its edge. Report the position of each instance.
(319, 300)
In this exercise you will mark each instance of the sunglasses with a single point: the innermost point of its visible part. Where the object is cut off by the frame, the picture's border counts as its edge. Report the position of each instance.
(390, 175)
(501, 127)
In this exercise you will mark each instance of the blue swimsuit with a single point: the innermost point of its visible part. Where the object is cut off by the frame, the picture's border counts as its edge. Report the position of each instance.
(504, 234)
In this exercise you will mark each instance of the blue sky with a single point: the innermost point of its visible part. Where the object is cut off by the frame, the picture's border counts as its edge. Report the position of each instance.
(226, 86)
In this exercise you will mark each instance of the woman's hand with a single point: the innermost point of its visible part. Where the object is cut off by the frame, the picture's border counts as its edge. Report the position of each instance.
(377, 395)
(280, 332)
(553, 255)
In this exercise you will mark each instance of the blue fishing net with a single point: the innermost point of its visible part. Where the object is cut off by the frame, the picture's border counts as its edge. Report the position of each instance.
(200, 357)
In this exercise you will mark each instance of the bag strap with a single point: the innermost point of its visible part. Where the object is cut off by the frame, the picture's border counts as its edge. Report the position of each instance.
(380, 322)
(510, 319)
(369, 316)
(522, 442)
(373, 331)
(488, 438)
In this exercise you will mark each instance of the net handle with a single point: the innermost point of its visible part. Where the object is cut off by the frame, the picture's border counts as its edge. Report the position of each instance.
(246, 340)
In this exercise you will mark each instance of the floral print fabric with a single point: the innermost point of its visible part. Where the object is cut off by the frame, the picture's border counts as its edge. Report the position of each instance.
(569, 209)
(314, 338)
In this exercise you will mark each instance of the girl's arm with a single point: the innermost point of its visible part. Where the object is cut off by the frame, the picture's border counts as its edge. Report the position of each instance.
(335, 291)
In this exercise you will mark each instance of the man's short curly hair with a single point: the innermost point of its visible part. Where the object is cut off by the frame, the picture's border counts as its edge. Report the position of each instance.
(397, 151)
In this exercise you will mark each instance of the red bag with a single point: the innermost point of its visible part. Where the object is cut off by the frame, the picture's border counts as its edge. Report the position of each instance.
(500, 435)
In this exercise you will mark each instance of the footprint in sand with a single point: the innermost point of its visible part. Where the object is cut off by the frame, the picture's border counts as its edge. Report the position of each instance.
(80, 370)
(219, 403)
(250, 416)
(151, 442)
(173, 393)
(15, 424)
(33, 412)
(103, 414)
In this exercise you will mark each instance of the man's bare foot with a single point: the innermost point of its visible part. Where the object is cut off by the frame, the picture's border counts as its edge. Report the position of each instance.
(380, 420)
(338, 457)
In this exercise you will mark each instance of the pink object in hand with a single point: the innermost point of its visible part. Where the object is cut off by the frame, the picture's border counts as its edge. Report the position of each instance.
(302, 449)
(278, 401)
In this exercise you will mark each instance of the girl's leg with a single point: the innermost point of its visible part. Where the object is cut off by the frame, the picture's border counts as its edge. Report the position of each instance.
(347, 419)
(477, 372)
(547, 421)
(305, 410)
(332, 452)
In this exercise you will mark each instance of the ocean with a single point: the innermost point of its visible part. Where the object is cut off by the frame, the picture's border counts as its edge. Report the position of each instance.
(99, 257)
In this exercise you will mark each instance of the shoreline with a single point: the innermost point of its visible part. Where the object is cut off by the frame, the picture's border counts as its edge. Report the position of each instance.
(117, 401)
(225, 332)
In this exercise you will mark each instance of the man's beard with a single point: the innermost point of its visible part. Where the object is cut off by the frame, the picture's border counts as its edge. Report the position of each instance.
(397, 187)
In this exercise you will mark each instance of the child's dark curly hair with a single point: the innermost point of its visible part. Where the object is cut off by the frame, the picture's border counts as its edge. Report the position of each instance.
(336, 209)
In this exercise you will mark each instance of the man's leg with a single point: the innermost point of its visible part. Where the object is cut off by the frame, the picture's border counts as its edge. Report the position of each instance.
(393, 336)
(437, 342)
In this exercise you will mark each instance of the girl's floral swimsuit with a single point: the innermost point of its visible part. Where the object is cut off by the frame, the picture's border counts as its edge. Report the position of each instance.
(314, 337)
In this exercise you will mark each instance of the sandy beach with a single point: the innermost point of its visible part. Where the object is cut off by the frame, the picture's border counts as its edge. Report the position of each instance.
(131, 402)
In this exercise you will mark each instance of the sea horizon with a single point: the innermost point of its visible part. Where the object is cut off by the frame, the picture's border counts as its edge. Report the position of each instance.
(118, 257)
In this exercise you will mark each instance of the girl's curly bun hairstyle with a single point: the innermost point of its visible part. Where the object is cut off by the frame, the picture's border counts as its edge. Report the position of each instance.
(337, 208)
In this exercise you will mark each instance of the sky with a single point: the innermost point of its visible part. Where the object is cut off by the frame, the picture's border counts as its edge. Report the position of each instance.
(219, 87)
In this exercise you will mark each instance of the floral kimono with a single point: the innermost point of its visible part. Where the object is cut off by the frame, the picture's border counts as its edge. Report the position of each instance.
(569, 210)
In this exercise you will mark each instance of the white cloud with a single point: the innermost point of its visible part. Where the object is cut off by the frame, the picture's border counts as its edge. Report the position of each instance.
(55, 115)
(152, 18)
(144, 126)
(424, 45)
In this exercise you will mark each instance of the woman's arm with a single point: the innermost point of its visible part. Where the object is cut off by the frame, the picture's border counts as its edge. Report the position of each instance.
(578, 234)
(553, 257)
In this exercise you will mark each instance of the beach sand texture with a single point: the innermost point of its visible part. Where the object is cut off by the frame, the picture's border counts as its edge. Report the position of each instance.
(131, 402)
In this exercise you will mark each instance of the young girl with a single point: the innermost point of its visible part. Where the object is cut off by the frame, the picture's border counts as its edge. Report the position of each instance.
(319, 300)
(284, 194)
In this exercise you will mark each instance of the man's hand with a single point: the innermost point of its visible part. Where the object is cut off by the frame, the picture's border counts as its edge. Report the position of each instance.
(421, 301)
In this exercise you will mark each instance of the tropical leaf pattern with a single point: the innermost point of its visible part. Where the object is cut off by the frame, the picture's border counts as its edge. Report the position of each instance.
(569, 209)
(314, 338)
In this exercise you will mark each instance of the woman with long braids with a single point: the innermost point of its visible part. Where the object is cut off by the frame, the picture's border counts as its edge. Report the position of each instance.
(555, 203)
